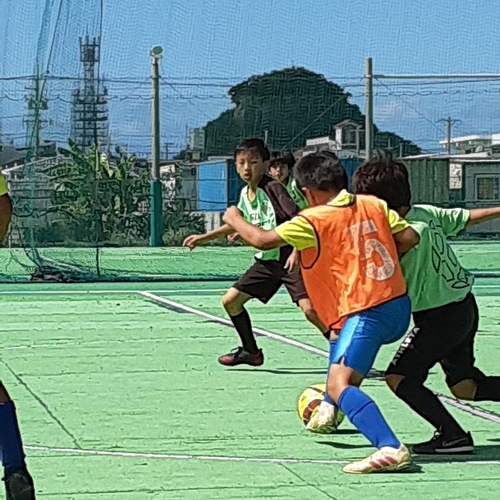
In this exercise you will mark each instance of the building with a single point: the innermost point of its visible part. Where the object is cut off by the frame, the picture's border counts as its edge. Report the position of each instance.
(345, 143)
(488, 144)
(11, 156)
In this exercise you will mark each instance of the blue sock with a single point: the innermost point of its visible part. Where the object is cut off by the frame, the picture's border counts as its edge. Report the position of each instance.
(11, 444)
(366, 417)
(333, 345)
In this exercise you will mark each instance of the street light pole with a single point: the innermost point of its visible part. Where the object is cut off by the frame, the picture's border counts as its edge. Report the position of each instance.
(156, 204)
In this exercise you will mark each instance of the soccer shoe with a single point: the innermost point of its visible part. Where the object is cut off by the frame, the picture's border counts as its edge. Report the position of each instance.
(438, 445)
(239, 356)
(19, 486)
(323, 421)
(384, 460)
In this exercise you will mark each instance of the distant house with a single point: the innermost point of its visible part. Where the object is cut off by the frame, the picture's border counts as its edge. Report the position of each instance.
(488, 144)
(347, 135)
(10, 156)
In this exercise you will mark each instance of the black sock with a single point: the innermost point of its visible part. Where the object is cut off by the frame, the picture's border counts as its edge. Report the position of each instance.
(424, 402)
(243, 326)
(488, 389)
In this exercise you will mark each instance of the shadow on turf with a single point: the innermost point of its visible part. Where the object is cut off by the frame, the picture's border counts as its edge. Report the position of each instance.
(287, 371)
(487, 452)
(482, 453)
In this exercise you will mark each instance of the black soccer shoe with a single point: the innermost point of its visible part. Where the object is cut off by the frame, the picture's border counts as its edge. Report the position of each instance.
(239, 356)
(19, 485)
(438, 445)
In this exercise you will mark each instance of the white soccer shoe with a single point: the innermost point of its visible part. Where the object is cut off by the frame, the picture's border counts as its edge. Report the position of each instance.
(324, 420)
(384, 460)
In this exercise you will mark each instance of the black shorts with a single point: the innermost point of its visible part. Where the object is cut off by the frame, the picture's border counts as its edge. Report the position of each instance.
(444, 335)
(264, 278)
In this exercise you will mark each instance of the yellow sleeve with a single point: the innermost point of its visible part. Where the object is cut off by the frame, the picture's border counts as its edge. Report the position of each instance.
(396, 222)
(298, 233)
(3, 186)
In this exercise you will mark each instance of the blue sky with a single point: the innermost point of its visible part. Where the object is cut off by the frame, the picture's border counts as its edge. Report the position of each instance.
(211, 44)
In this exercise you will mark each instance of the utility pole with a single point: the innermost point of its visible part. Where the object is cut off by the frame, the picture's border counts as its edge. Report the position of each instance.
(36, 104)
(449, 123)
(167, 149)
(369, 108)
(156, 208)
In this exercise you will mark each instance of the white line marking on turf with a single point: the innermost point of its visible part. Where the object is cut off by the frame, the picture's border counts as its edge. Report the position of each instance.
(216, 458)
(83, 343)
(166, 456)
(226, 322)
(471, 410)
(106, 292)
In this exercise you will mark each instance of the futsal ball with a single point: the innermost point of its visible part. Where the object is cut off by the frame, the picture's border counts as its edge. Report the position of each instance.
(309, 401)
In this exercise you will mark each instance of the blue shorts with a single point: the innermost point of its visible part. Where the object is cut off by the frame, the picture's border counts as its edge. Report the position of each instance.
(364, 333)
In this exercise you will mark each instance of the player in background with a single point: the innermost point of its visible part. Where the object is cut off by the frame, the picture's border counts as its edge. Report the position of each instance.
(280, 168)
(18, 482)
(349, 257)
(445, 312)
(265, 203)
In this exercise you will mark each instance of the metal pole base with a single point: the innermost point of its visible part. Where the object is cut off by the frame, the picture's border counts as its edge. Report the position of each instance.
(156, 214)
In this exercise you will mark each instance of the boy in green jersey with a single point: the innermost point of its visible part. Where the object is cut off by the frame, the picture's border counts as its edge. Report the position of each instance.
(280, 168)
(444, 309)
(264, 202)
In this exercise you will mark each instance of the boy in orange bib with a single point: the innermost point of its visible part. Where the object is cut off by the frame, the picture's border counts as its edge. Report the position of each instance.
(350, 266)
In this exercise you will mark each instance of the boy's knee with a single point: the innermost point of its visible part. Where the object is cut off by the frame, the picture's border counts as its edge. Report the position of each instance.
(340, 377)
(233, 302)
(393, 381)
(307, 307)
(228, 302)
(465, 389)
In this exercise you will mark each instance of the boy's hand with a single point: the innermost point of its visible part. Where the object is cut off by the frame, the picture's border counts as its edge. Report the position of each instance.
(233, 237)
(293, 262)
(193, 241)
(232, 214)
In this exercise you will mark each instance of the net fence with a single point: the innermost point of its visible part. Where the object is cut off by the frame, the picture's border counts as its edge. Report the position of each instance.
(75, 130)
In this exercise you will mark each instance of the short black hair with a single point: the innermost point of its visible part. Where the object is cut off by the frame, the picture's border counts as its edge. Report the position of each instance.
(254, 145)
(280, 157)
(385, 177)
(322, 171)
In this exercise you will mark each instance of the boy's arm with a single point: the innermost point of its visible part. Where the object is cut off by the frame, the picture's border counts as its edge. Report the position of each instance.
(298, 233)
(5, 215)
(5, 209)
(200, 239)
(253, 235)
(406, 240)
(404, 235)
(479, 215)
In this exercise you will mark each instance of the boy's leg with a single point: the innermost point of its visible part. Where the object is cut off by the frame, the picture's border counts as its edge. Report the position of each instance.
(295, 287)
(359, 342)
(463, 378)
(323, 421)
(18, 482)
(259, 282)
(437, 332)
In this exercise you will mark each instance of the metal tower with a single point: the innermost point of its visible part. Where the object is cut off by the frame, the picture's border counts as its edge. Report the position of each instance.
(89, 120)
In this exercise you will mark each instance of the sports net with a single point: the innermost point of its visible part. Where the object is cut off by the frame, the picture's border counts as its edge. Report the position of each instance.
(75, 130)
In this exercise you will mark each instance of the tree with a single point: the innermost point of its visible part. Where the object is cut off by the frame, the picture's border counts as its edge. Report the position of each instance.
(96, 200)
(292, 105)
